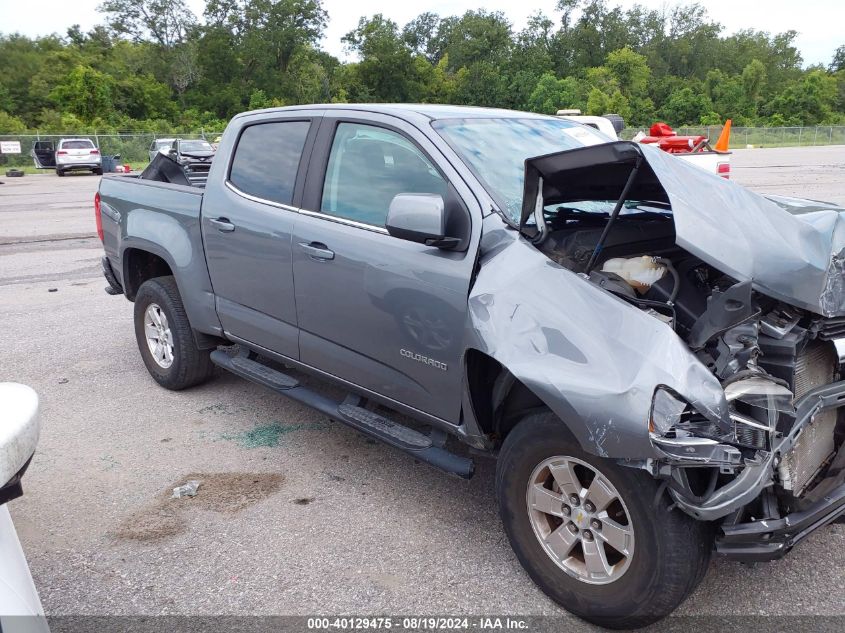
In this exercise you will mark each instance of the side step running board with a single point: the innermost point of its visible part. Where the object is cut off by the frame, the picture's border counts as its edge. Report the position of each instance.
(408, 440)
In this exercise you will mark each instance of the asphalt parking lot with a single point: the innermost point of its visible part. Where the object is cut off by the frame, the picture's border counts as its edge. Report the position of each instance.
(296, 514)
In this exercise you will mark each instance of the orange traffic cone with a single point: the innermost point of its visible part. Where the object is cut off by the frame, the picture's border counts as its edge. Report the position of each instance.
(724, 138)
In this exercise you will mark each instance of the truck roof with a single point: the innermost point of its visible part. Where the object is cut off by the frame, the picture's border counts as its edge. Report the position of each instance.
(409, 110)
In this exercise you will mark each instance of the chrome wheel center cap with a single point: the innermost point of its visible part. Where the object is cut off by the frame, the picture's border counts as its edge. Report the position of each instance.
(581, 519)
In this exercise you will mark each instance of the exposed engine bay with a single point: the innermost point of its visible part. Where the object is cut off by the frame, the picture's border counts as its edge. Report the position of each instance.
(781, 450)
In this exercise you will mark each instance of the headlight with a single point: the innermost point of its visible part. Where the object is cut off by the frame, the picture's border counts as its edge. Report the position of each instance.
(666, 411)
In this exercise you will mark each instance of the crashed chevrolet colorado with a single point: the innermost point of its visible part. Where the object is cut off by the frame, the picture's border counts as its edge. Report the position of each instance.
(650, 352)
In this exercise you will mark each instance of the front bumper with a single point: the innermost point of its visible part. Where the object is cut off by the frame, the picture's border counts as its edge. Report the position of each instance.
(760, 472)
(770, 540)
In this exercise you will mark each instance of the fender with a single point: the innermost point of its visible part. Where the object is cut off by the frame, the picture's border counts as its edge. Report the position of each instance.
(168, 226)
(592, 358)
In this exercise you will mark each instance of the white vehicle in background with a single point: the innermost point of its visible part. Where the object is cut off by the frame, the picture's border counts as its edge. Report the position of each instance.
(18, 437)
(74, 154)
(693, 149)
(160, 145)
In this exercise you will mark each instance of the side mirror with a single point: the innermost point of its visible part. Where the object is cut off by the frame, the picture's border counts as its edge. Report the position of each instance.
(116, 156)
(419, 217)
(172, 151)
(18, 436)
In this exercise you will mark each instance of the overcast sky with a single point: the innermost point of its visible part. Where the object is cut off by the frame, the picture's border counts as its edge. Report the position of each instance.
(818, 22)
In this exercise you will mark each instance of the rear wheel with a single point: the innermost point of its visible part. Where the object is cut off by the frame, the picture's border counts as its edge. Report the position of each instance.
(60, 173)
(587, 532)
(165, 338)
(98, 171)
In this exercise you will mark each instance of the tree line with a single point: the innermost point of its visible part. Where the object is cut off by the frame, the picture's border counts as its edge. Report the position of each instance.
(155, 66)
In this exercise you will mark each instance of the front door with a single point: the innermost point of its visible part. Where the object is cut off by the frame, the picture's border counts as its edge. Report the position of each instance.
(247, 221)
(384, 313)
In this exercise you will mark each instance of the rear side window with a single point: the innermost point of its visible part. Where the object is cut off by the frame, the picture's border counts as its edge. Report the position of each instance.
(267, 158)
(77, 145)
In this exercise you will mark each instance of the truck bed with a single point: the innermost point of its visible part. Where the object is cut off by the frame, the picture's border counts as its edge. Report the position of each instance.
(140, 215)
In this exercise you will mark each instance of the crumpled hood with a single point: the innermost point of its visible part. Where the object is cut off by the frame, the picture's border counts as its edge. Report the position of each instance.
(792, 250)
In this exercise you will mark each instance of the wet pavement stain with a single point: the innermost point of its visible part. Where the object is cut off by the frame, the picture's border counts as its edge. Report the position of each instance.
(226, 493)
(270, 434)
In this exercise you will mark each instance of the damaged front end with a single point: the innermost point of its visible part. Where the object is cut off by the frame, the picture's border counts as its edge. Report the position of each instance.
(755, 292)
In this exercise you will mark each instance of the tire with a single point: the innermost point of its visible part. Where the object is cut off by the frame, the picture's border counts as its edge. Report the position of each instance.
(668, 551)
(60, 173)
(189, 365)
(98, 171)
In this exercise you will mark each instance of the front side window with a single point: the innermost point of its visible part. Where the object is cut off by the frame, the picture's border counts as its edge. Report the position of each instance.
(267, 157)
(370, 165)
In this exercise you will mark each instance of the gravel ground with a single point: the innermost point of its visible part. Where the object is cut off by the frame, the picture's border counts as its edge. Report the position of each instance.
(295, 515)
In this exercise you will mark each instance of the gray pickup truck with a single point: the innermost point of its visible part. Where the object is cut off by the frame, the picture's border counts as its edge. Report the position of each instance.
(650, 352)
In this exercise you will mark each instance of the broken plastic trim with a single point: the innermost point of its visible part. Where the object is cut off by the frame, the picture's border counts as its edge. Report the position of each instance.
(758, 472)
(667, 409)
(697, 451)
(766, 540)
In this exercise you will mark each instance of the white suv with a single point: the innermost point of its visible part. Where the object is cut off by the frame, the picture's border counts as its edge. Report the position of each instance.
(78, 153)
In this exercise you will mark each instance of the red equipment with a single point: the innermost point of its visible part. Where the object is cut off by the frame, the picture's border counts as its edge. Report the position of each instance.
(665, 138)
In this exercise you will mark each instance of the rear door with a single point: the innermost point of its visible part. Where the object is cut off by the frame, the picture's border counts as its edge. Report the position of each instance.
(383, 313)
(44, 154)
(248, 214)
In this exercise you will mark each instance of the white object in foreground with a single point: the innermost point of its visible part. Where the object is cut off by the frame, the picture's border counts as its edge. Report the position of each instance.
(18, 438)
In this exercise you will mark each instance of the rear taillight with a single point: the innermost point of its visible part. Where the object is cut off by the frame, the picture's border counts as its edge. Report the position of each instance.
(94, 151)
(61, 152)
(724, 170)
(98, 218)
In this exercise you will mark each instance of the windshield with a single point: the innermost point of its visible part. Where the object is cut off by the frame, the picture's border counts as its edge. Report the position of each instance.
(196, 146)
(495, 150)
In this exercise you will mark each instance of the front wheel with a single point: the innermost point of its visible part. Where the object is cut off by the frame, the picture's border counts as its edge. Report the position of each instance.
(165, 338)
(588, 533)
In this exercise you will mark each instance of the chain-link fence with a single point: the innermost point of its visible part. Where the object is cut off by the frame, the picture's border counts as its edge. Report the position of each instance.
(134, 147)
(131, 147)
(764, 136)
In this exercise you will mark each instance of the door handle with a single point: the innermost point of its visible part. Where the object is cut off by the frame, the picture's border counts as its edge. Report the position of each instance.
(223, 225)
(317, 250)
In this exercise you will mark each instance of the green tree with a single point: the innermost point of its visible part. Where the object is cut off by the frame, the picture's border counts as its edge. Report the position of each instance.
(838, 62)
(420, 35)
(481, 85)
(809, 101)
(630, 71)
(86, 93)
(686, 107)
(476, 36)
(165, 22)
(552, 94)
(274, 30)
(386, 68)
(11, 124)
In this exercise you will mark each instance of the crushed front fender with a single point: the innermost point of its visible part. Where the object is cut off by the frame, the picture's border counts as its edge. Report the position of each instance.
(592, 358)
